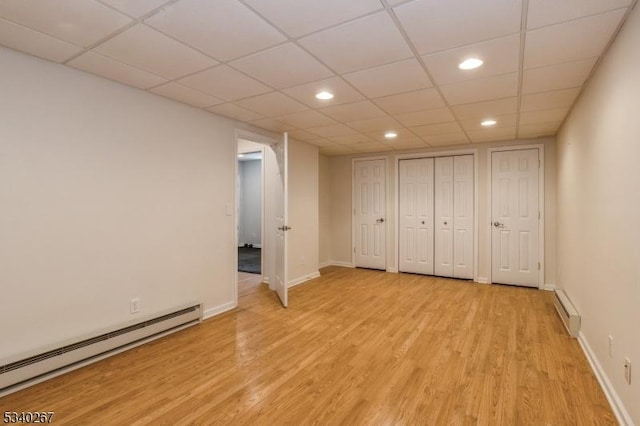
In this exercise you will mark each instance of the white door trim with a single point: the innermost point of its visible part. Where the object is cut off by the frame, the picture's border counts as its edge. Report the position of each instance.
(258, 138)
(541, 194)
(448, 153)
(353, 206)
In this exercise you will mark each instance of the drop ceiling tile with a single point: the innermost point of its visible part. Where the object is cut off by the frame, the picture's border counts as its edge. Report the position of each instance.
(225, 83)
(447, 139)
(306, 93)
(224, 29)
(437, 129)
(236, 112)
(545, 12)
(418, 144)
(114, 70)
(168, 58)
(283, 66)
(471, 125)
(135, 8)
(501, 86)
(272, 104)
(360, 44)
(303, 136)
(484, 109)
(433, 26)
(306, 119)
(299, 17)
(35, 43)
(500, 56)
(538, 129)
(410, 102)
(549, 100)
(186, 94)
(374, 124)
(351, 139)
(272, 125)
(555, 77)
(543, 116)
(398, 77)
(405, 136)
(355, 111)
(571, 41)
(81, 22)
(492, 134)
(370, 147)
(426, 117)
(333, 130)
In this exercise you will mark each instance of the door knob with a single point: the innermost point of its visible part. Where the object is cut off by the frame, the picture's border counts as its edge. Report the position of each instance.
(284, 228)
(423, 222)
(381, 220)
(445, 222)
(497, 224)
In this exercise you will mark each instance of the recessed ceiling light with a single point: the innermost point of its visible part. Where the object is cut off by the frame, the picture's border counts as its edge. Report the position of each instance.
(391, 135)
(240, 155)
(324, 96)
(488, 123)
(471, 63)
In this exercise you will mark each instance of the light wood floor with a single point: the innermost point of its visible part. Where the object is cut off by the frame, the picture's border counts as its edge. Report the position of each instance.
(354, 347)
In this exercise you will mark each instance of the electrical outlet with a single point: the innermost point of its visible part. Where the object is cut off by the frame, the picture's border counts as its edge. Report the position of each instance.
(135, 306)
(627, 370)
(610, 346)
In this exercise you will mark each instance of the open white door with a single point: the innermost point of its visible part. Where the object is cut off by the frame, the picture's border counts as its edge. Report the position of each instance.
(281, 150)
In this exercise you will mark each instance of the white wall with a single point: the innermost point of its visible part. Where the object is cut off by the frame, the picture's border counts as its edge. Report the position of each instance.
(324, 214)
(107, 193)
(341, 204)
(250, 221)
(303, 239)
(599, 209)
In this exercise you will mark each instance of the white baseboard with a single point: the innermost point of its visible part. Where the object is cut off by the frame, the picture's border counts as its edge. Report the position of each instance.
(392, 270)
(212, 312)
(342, 264)
(549, 287)
(303, 279)
(621, 413)
(482, 280)
(324, 264)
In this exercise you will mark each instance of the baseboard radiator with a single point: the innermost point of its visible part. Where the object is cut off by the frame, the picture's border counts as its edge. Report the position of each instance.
(16, 371)
(568, 313)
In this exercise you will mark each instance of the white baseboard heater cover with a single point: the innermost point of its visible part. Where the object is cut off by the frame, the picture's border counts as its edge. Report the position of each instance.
(568, 313)
(13, 372)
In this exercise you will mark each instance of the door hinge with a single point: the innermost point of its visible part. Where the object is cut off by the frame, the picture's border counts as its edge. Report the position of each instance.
(538, 266)
(539, 215)
(354, 249)
(539, 163)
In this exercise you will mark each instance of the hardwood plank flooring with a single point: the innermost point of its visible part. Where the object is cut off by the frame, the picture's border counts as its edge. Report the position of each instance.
(355, 347)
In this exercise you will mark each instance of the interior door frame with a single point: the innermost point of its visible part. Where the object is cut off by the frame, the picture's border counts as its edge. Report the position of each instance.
(434, 154)
(265, 141)
(353, 207)
(541, 195)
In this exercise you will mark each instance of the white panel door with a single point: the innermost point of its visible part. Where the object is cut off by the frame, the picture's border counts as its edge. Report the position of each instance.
(443, 262)
(463, 216)
(281, 151)
(514, 217)
(416, 216)
(369, 214)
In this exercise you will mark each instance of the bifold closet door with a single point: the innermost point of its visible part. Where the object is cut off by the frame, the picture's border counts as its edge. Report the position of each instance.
(443, 264)
(454, 218)
(463, 218)
(416, 216)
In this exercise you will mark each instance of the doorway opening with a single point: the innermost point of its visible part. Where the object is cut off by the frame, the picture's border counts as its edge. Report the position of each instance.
(260, 214)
